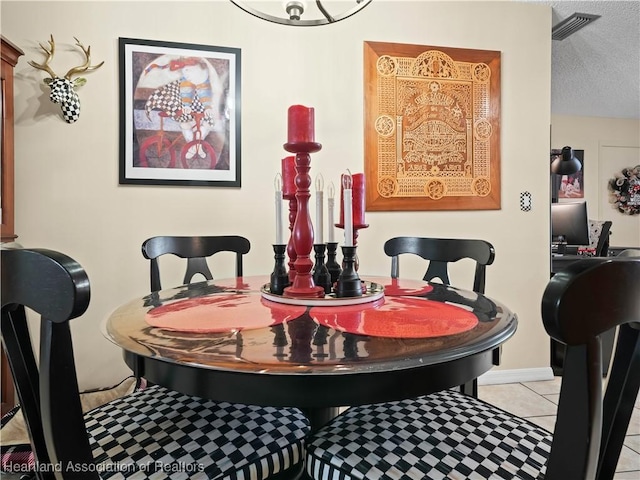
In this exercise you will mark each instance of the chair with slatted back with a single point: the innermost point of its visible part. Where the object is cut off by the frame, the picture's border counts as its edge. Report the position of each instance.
(195, 250)
(440, 252)
(599, 232)
(451, 435)
(153, 433)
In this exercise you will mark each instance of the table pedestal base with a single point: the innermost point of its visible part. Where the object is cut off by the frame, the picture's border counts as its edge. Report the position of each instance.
(320, 416)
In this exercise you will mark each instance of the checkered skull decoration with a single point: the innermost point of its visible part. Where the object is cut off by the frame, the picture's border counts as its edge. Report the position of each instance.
(63, 88)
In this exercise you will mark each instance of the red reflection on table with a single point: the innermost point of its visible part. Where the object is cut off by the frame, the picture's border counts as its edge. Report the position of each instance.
(403, 287)
(410, 318)
(220, 313)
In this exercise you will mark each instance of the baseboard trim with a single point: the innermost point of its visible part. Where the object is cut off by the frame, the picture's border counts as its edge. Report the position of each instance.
(495, 377)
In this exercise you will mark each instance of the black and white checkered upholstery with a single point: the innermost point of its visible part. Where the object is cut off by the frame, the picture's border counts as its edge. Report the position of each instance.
(161, 434)
(444, 436)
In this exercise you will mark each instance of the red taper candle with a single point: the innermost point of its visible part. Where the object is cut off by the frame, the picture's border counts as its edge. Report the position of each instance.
(358, 198)
(358, 202)
(289, 177)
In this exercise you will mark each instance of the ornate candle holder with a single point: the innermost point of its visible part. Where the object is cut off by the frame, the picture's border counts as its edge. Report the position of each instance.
(332, 266)
(279, 276)
(291, 249)
(321, 275)
(355, 231)
(356, 264)
(302, 234)
(349, 283)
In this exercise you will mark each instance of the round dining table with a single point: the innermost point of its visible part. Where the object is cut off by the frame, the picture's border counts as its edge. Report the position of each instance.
(231, 340)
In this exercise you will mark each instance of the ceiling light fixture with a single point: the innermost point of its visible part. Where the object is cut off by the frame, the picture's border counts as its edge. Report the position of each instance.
(302, 13)
(572, 24)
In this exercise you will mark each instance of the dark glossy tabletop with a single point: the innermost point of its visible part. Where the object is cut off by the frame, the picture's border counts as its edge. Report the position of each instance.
(278, 354)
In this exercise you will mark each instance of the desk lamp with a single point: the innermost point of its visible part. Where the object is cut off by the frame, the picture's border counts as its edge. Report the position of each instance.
(565, 163)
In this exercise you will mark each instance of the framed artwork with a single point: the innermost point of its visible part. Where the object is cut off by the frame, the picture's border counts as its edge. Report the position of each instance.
(432, 127)
(570, 186)
(179, 114)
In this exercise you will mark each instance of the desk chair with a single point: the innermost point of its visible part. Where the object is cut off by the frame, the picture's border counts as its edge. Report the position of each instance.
(195, 250)
(221, 440)
(599, 232)
(451, 435)
(440, 252)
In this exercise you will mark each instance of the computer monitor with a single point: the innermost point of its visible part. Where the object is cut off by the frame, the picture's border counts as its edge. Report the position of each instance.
(570, 221)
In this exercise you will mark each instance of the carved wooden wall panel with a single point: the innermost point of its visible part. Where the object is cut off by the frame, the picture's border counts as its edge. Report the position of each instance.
(432, 127)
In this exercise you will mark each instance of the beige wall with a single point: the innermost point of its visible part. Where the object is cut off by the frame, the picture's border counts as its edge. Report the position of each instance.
(67, 192)
(609, 145)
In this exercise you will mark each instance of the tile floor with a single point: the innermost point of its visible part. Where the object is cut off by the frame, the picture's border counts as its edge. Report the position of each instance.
(537, 401)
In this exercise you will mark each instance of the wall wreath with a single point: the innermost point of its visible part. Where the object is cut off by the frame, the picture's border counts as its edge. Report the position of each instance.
(624, 190)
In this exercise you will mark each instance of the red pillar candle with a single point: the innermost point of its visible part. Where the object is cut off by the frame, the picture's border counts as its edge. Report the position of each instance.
(289, 177)
(301, 124)
(358, 198)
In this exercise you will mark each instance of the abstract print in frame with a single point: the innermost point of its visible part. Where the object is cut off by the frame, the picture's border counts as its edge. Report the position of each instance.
(179, 114)
(432, 127)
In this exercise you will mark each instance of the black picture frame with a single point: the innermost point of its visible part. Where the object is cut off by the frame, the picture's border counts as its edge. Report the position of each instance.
(179, 114)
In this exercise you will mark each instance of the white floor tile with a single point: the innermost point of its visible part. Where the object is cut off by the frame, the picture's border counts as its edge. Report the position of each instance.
(634, 424)
(517, 399)
(547, 422)
(629, 461)
(545, 387)
(626, 476)
(633, 442)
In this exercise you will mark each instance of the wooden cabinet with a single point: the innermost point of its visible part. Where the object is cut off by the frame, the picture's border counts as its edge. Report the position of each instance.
(10, 55)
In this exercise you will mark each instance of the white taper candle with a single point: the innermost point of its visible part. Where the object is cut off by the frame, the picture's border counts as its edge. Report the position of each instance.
(278, 200)
(331, 191)
(348, 209)
(319, 210)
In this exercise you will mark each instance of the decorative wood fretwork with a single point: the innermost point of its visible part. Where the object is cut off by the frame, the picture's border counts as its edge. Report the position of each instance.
(432, 127)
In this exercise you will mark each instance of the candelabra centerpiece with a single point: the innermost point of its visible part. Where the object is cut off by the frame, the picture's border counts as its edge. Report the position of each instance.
(301, 142)
(319, 284)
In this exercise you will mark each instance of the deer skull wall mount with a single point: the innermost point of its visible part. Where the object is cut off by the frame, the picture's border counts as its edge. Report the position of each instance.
(63, 88)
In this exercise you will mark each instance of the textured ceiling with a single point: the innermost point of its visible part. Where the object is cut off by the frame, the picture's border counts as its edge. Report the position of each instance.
(596, 71)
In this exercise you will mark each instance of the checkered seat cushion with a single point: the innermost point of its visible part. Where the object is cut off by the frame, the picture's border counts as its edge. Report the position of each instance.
(161, 434)
(444, 436)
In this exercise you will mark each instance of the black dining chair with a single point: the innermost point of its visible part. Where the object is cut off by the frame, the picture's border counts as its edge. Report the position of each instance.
(451, 435)
(440, 253)
(195, 250)
(151, 433)
(629, 252)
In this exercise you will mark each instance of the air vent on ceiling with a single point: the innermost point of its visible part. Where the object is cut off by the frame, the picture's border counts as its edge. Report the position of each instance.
(571, 25)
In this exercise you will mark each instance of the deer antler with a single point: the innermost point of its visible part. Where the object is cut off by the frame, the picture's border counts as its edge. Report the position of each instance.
(45, 66)
(85, 67)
